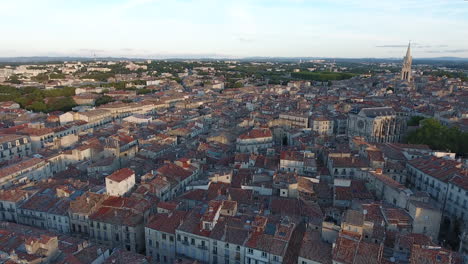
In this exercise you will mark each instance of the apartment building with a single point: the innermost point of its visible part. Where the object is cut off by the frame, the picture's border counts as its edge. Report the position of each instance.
(160, 236)
(254, 140)
(119, 222)
(14, 146)
(31, 169)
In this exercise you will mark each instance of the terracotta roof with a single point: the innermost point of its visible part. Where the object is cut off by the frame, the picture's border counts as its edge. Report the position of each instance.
(22, 165)
(256, 133)
(121, 174)
(166, 223)
(439, 168)
(313, 248)
(434, 255)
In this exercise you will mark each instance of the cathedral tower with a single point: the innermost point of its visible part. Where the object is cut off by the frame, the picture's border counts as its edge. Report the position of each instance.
(406, 69)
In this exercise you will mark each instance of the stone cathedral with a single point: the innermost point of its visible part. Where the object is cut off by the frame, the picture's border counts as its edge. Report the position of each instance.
(406, 69)
(377, 125)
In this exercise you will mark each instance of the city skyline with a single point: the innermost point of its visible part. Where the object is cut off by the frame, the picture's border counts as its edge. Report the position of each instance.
(234, 29)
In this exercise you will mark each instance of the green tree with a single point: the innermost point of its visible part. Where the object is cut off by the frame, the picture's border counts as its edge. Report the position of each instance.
(37, 107)
(143, 91)
(440, 137)
(414, 120)
(14, 79)
(41, 77)
(103, 100)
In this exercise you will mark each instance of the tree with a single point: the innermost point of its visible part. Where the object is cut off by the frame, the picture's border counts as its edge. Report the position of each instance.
(61, 104)
(238, 85)
(103, 100)
(41, 77)
(14, 79)
(414, 120)
(143, 91)
(37, 107)
(440, 137)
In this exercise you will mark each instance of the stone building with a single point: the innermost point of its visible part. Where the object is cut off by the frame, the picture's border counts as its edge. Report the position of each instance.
(379, 124)
(406, 68)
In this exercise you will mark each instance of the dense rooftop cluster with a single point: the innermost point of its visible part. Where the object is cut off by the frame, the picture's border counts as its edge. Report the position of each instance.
(208, 162)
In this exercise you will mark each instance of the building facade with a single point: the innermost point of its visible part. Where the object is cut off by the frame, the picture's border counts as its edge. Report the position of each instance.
(379, 125)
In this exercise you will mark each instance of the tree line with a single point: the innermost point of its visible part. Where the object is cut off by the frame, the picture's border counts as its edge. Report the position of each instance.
(38, 100)
(439, 137)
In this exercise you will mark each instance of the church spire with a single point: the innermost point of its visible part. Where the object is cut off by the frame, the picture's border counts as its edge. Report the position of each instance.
(408, 51)
(406, 69)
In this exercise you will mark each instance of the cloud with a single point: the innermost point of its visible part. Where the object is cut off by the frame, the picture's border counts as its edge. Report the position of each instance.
(413, 45)
(91, 50)
(447, 51)
(456, 50)
(244, 39)
(391, 46)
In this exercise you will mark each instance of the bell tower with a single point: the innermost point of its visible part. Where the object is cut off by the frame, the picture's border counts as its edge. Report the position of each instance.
(406, 69)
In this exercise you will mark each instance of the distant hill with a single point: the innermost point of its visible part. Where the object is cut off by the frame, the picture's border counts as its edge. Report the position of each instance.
(41, 59)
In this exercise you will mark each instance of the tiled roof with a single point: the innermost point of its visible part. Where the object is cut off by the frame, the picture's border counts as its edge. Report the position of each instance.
(439, 168)
(256, 133)
(167, 223)
(434, 255)
(22, 165)
(121, 174)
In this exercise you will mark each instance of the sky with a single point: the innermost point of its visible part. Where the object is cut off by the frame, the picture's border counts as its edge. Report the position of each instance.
(234, 28)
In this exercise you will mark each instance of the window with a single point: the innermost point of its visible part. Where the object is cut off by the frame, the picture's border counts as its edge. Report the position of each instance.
(250, 251)
(192, 241)
(264, 254)
(164, 236)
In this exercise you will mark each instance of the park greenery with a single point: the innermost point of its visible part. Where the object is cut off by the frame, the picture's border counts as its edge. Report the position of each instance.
(103, 100)
(463, 76)
(414, 120)
(38, 100)
(322, 76)
(440, 137)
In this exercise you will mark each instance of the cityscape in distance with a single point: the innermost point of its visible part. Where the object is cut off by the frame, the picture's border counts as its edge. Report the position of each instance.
(234, 132)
